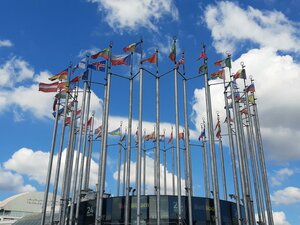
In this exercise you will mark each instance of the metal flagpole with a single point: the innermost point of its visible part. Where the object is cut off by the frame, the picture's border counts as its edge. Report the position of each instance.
(119, 161)
(173, 164)
(124, 162)
(177, 141)
(128, 188)
(59, 155)
(75, 186)
(262, 163)
(49, 170)
(222, 161)
(165, 164)
(89, 156)
(212, 150)
(144, 164)
(104, 143)
(205, 165)
(69, 159)
(157, 166)
(233, 158)
(79, 185)
(187, 150)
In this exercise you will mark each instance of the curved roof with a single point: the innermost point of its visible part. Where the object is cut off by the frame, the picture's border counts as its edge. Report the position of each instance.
(25, 202)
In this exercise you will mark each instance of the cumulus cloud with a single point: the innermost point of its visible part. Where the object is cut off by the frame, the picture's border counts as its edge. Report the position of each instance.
(232, 25)
(281, 175)
(280, 218)
(121, 14)
(5, 43)
(287, 196)
(13, 182)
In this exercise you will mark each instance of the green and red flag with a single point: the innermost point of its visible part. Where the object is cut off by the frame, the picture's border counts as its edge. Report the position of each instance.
(152, 59)
(219, 74)
(172, 54)
(134, 47)
(104, 54)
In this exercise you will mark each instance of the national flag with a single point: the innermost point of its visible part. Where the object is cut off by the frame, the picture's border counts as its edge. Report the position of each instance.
(230, 120)
(244, 111)
(181, 135)
(219, 74)
(202, 69)
(224, 62)
(218, 134)
(202, 135)
(121, 60)
(104, 53)
(134, 47)
(60, 76)
(202, 56)
(99, 66)
(81, 64)
(136, 137)
(241, 73)
(98, 132)
(236, 96)
(63, 85)
(54, 103)
(251, 88)
(172, 54)
(152, 59)
(76, 79)
(48, 87)
(67, 121)
(115, 132)
(217, 125)
(251, 99)
(181, 61)
(170, 138)
(60, 111)
(150, 136)
(89, 123)
(219, 62)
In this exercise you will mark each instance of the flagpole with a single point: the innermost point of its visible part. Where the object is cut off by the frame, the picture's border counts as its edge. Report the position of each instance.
(173, 164)
(165, 164)
(104, 143)
(89, 156)
(205, 165)
(233, 158)
(119, 161)
(212, 149)
(59, 155)
(144, 164)
(262, 164)
(49, 170)
(124, 162)
(127, 207)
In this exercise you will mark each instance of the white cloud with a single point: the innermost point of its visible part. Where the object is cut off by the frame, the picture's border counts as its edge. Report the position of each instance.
(281, 175)
(279, 218)
(5, 43)
(232, 25)
(133, 14)
(13, 71)
(13, 182)
(287, 196)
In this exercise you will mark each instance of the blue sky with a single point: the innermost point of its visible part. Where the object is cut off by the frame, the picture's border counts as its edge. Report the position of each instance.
(41, 38)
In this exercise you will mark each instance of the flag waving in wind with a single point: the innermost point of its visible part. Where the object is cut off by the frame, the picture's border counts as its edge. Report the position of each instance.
(172, 54)
(152, 59)
(135, 47)
(48, 87)
(99, 66)
(104, 53)
(121, 60)
(60, 76)
(115, 132)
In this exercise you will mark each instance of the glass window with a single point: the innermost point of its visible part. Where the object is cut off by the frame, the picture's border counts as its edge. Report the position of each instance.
(152, 207)
(164, 209)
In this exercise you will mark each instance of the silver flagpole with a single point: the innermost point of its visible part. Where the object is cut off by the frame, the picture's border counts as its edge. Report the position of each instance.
(75, 187)
(144, 164)
(157, 166)
(165, 164)
(89, 156)
(69, 159)
(83, 155)
(128, 188)
(214, 170)
(59, 155)
(49, 170)
(233, 158)
(173, 164)
(222, 164)
(205, 165)
(124, 162)
(262, 164)
(119, 161)
(139, 152)
(178, 163)
(187, 150)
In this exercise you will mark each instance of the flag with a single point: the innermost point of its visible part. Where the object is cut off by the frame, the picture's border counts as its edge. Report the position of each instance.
(172, 54)
(89, 123)
(136, 137)
(181, 135)
(218, 134)
(202, 56)
(251, 88)
(219, 74)
(202, 69)
(54, 103)
(121, 60)
(76, 79)
(60, 111)
(181, 61)
(63, 85)
(81, 64)
(98, 132)
(48, 87)
(241, 73)
(244, 111)
(135, 47)
(99, 66)
(217, 125)
(251, 99)
(115, 132)
(219, 62)
(104, 53)
(60, 76)
(236, 96)
(227, 62)
(224, 62)
(170, 138)
(230, 120)
(149, 136)
(67, 121)
(152, 59)
(202, 135)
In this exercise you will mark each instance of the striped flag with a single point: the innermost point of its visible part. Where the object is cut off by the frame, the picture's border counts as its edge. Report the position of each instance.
(60, 76)
(48, 87)
(134, 47)
(121, 60)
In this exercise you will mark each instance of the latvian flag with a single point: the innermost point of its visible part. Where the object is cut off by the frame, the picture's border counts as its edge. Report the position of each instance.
(48, 87)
